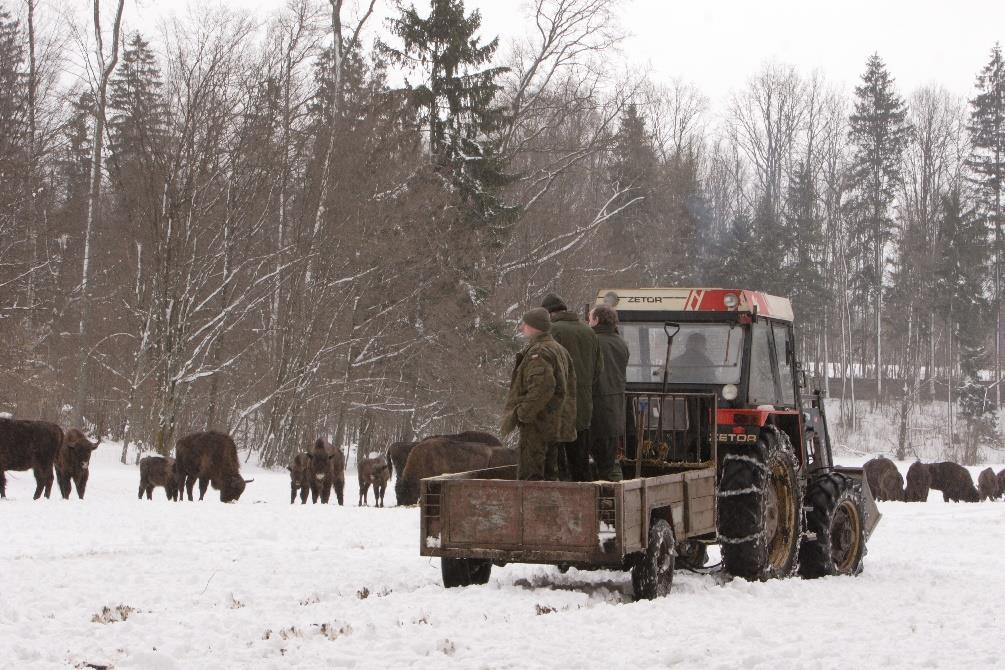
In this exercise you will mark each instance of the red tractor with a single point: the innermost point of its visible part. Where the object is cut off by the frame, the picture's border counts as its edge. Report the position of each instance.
(781, 501)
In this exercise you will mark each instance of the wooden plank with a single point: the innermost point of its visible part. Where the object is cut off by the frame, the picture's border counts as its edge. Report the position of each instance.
(556, 517)
(702, 523)
(486, 513)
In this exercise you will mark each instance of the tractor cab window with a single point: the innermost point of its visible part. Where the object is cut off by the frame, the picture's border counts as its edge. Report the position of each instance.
(782, 345)
(702, 353)
(762, 376)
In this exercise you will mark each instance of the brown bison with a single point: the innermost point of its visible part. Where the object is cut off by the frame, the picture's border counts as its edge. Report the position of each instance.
(988, 485)
(884, 479)
(327, 472)
(919, 481)
(300, 477)
(437, 456)
(398, 452)
(211, 458)
(73, 462)
(29, 445)
(1001, 481)
(374, 470)
(158, 471)
(954, 481)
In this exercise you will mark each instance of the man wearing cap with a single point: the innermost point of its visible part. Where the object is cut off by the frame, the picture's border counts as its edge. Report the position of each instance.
(542, 398)
(584, 349)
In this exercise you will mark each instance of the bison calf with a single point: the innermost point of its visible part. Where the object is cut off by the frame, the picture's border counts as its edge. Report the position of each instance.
(300, 477)
(376, 471)
(158, 471)
(73, 462)
(988, 486)
(28, 445)
(328, 472)
(211, 458)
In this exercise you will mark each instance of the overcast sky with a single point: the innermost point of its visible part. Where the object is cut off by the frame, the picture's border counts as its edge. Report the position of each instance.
(719, 44)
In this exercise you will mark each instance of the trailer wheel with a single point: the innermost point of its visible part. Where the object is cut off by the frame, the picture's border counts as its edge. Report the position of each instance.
(652, 574)
(464, 571)
(760, 522)
(836, 518)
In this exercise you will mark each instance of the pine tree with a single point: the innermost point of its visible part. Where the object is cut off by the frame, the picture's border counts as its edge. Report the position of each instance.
(987, 163)
(879, 134)
(456, 100)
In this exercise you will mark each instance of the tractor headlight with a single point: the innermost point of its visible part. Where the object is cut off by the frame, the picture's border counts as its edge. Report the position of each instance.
(730, 300)
(729, 392)
(611, 299)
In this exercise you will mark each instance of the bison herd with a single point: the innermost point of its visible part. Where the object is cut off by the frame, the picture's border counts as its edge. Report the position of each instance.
(951, 479)
(210, 458)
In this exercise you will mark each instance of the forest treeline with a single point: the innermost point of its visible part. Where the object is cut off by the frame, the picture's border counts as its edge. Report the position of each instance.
(330, 224)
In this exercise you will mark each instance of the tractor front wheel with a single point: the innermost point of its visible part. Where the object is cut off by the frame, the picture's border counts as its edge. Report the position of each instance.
(836, 519)
(760, 523)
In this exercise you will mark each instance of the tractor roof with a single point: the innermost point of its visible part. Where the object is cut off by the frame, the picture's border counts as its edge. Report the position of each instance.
(697, 300)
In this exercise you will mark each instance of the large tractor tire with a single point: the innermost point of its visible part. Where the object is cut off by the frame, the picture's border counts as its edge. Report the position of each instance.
(464, 571)
(652, 574)
(760, 521)
(837, 519)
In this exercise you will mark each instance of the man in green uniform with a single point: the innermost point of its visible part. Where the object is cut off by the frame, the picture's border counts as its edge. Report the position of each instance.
(542, 398)
(608, 426)
(584, 349)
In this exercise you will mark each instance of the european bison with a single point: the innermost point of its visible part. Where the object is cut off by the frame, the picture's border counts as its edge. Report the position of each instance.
(954, 481)
(29, 445)
(373, 470)
(73, 461)
(988, 485)
(1001, 481)
(398, 452)
(919, 481)
(327, 472)
(884, 479)
(300, 477)
(210, 457)
(437, 456)
(158, 471)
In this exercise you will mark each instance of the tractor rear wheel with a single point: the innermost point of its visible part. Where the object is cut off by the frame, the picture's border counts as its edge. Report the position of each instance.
(652, 574)
(760, 521)
(836, 518)
(464, 571)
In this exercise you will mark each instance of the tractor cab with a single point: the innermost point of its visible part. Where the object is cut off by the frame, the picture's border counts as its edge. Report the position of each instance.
(736, 346)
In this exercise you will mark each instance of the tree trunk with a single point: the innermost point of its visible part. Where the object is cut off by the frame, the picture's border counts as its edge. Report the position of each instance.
(93, 199)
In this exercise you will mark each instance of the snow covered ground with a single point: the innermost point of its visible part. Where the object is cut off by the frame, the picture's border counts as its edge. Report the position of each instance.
(113, 581)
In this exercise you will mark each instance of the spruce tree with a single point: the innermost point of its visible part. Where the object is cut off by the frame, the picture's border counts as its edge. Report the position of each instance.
(13, 127)
(879, 134)
(456, 101)
(138, 131)
(961, 281)
(634, 173)
(804, 264)
(987, 165)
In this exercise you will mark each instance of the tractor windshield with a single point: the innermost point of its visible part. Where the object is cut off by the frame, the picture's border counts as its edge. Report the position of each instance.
(703, 353)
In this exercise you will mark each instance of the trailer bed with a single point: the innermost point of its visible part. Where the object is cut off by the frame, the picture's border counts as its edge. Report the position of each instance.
(488, 514)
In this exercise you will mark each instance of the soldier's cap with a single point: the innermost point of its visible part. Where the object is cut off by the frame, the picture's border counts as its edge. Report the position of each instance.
(538, 318)
(554, 303)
